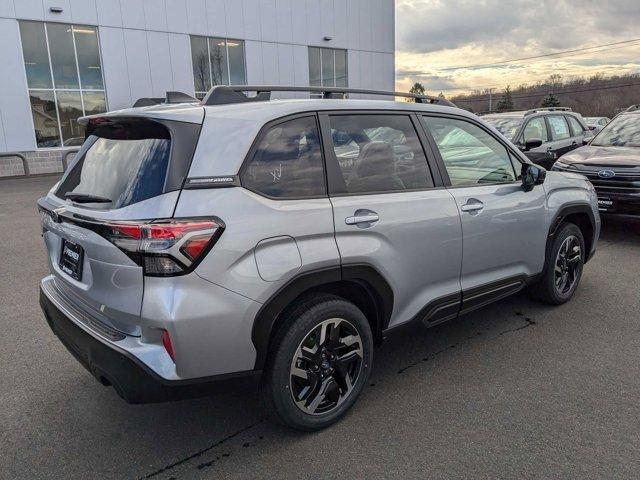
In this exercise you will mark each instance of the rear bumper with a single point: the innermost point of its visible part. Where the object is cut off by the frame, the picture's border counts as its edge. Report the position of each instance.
(131, 379)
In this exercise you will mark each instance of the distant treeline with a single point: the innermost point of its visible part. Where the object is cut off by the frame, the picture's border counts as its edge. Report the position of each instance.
(594, 96)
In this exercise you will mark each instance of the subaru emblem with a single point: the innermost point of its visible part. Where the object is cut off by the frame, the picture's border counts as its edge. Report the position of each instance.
(606, 174)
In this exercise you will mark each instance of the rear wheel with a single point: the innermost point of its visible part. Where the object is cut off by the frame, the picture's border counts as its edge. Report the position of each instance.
(320, 361)
(563, 270)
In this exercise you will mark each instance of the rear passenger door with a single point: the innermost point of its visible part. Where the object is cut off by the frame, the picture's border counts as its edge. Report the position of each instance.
(504, 227)
(578, 132)
(391, 213)
(561, 140)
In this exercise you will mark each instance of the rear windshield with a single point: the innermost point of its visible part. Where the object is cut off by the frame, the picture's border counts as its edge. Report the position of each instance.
(124, 163)
(507, 126)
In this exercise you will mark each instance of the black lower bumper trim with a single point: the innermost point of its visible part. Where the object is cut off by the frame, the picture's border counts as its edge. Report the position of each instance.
(132, 381)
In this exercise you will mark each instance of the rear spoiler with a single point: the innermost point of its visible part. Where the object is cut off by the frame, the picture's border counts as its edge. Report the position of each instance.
(170, 98)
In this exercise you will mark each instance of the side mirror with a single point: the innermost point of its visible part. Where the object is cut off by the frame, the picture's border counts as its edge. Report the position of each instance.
(532, 143)
(587, 140)
(532, 175)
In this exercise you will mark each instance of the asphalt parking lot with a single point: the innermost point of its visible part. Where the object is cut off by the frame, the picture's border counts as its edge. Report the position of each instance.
(516, 390)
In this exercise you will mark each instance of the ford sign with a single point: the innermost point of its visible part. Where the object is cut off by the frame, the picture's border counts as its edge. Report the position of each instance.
(606, 174)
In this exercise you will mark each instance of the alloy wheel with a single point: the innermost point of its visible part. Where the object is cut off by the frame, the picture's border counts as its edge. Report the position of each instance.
(326, 366)
(568, 265)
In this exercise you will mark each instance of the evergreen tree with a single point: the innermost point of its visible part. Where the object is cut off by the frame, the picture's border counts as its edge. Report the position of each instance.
(505, 103)
(550, 101)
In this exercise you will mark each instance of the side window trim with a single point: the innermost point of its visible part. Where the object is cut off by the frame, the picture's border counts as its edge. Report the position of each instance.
(336, 186)
(438, 157)
(256, 142)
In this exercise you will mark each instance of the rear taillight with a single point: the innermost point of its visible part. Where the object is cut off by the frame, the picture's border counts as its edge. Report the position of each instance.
(164, 247)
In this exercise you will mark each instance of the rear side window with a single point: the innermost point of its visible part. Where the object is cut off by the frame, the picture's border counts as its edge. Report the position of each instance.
(124, 162)
(559, 127)
(379, 153)
(576, 128)
(287, 162)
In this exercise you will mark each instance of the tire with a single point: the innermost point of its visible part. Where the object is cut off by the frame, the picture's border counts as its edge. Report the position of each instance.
(335, 372)
(547, 289)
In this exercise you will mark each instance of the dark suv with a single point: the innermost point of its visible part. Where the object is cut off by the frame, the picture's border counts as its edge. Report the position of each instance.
(543, 134)
(611, 162)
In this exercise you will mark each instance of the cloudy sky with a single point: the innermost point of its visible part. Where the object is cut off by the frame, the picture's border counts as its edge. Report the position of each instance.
(435, 36)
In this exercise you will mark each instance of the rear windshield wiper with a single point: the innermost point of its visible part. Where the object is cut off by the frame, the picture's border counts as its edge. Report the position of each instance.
(86, 198)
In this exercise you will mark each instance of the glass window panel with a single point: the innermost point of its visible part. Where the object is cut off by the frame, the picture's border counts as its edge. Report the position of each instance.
(200, 60)
(69, 110)
(470, 155)
(88, 57)
(341, 68)
(387, 156)
(236, 62)
(288, 161)
(536, 128)
(218, 56)
(315, 75)
(65, 73)
(45, 120)
(36, 59)
(328, 68)
(94, 102)
(559, 127)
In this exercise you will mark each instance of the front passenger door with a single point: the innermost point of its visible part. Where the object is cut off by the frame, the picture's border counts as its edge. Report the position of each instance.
(503, 227)
(561, 141)
(537, 128)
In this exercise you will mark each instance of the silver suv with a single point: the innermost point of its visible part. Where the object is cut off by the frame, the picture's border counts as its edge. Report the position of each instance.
(199, 246)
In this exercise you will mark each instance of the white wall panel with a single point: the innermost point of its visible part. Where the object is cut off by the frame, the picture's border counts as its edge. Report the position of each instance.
(365, 25)
(252, 20)
(177, 16)
(314, 26)
(353, 68)
(155, 15)
(64, 16)
(135, 42)
(253, 54)
(389, 26)
(216, 22)
(7, 9)
(270, 73)
(299, 21)
(300, 65)
(283, 21)
(326, 20)
(132, 13)
(14, 98)
(235, 18)
(29, 9)
(160, 65)
(3, 142)
(342, 24)
(285, 68)
(114, 63)
(84, 12)
(109, 13)
(366, 70)
(377, 25)
(197, 17)
(268, 20)
(353, 14)
(182, 69)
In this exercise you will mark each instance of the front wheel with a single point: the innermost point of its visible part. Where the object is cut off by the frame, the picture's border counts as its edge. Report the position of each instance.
(563, 269)
(319, 363)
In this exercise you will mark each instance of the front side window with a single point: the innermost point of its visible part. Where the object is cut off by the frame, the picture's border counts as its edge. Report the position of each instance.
(217, 61)
(470, 154)
(536, 129)
(328, 67)
(379, 153)
(559, 127)
(64, 76)
(287, 162)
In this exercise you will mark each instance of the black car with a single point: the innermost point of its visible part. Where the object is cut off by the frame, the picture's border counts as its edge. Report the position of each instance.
(543, 134)
(612, 162)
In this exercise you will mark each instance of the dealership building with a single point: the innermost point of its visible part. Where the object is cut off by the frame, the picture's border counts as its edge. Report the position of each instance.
(63, 59)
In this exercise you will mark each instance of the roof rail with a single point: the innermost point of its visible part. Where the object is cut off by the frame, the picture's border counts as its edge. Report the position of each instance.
(633, 108)
(170, 98)
(547, 109)
(223, 95)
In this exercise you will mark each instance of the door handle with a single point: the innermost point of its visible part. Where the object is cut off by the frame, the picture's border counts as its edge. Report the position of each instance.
(362, 217)
(472, 206)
